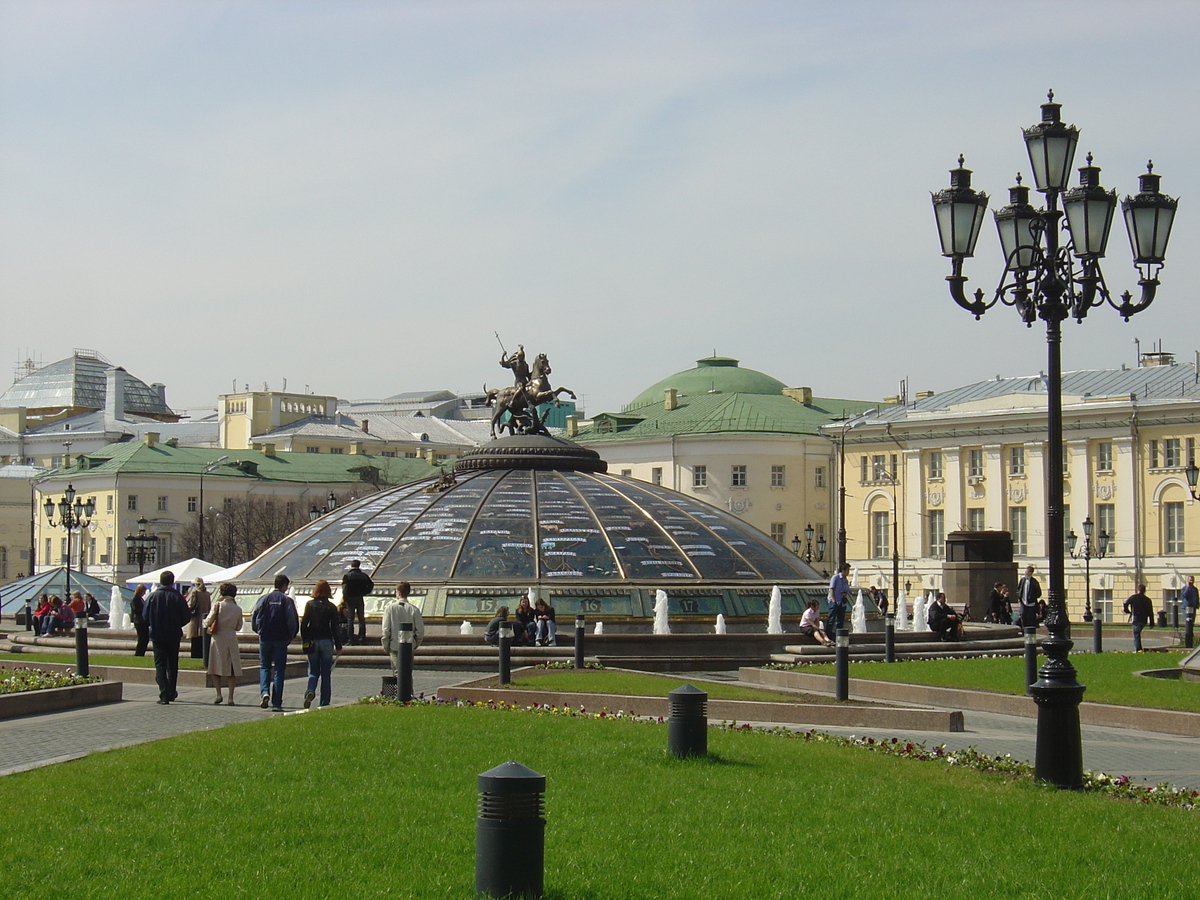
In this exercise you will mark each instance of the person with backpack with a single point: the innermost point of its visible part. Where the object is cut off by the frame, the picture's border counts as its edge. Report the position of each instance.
(356, 584)
(275, 622)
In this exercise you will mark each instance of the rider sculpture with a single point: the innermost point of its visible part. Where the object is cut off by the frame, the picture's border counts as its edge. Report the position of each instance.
(531, 389)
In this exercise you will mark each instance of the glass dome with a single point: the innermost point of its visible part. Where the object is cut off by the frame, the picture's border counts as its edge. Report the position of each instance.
(503, 524)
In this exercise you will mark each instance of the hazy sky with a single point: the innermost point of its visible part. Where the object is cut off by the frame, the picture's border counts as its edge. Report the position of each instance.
(354, 195)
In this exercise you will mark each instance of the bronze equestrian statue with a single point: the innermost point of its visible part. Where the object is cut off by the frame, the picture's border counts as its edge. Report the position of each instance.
(531, 390)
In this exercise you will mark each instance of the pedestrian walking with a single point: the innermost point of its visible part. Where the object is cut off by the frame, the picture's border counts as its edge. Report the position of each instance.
(222, 623)
(1029, 592)
(398, 612)
(356, 585)
(320, 632)
(137, 616)
(1190, 599)
(275, 622)
(199, 602)
(1141, 611)
(839, 590)
(166, 613)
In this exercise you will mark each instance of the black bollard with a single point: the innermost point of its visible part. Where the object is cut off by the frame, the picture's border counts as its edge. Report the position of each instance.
(1097, 635)
(841, 665)
(1174, 615)
(1188, 624)
(28, 616)
(206, 648)
(579, 642)
(1162, 618)
(81, 647)
(687, 727)
(404, 663)
(510, 832)
(1031, 655)
(889, 638)
(505, 656)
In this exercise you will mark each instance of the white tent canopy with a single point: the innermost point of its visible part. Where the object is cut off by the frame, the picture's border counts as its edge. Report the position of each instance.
(185, 571)
(230, 574)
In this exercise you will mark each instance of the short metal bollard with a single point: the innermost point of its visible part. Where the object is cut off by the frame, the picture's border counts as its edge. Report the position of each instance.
(28, 616)
(1175, 615)
(505, 643)
(510, 832)
(81, 645)
(889, 638)
(579, 632)
(1097, 635)
(1031, 654)
(687, 727)
(388, 689)
(841, 665)
(1162, 618)
(404, 663)
(1189, 624)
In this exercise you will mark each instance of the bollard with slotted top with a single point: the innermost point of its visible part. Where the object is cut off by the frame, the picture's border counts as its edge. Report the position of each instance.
(81, 644)
(510, 832)
(579, 626)
(404, 663)
(687, 727)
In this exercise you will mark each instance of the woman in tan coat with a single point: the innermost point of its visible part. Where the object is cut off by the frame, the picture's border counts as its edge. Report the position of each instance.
(199, 603)
(223, 623)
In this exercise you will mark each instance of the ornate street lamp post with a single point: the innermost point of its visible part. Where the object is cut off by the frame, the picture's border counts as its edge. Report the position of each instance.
(73, 513)
(331, 503)
(141, 546)
(809, 531)
(1052, 271)
(1089, 551)
(207, 470)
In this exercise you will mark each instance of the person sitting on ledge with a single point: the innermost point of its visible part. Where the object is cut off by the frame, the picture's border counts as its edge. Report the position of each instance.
(810, 624)
(491, 634)
(524, 625)
(945, 621)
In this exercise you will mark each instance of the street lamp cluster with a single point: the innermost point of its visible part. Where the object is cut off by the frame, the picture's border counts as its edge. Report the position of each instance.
(73, 513)
(331, 503)
(1052, 271)
(808, 545)
(141, 546)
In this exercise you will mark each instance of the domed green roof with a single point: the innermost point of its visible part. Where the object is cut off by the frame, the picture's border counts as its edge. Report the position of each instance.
(714, 374)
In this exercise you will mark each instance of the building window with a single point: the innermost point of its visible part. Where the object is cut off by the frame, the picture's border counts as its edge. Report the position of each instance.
(1018, 527)
(1154, 454)
(192, 504)
(820, 535)
(47, 553)
(1102, 603)
(312, 449)
(108, 504)
(92, 553)
(935, 464)
(1172, 527)
(1066, 458)
(1104, 457)
(656, 475)
(62, 550)
(1016, 460)
(699, 476)
(106, 556)
(819, 477)
(131, 503)
(937, 533)
(1066, 526)
(881, 534)
(862, 475)
(737, 476)
(1106, 523)
(975, 463)
(627, 473)
(779, 532)
(1172, 454)
(162, 504)
(878, 467)
(336, 450)
(777, 479)
(55, 462)
(388, 453)
(975, 519)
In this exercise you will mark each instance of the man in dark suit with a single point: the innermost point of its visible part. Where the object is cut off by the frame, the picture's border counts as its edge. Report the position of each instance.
(1028, 593)
(166, 612)
(356, 584)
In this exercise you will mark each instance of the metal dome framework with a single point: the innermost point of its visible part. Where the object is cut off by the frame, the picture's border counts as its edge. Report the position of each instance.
(590, 541)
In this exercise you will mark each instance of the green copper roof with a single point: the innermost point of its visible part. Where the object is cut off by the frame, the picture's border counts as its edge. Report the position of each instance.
(712, 374)
(727, 413)
(135, 458)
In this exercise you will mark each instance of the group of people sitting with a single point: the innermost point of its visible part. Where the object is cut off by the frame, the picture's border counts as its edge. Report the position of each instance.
(943, 620)
(53, 616)
(531, 625)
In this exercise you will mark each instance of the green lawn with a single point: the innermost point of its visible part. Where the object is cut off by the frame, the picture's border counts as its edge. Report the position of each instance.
(1109, 677)
(139, 662)
(371, 801)
(607, 681)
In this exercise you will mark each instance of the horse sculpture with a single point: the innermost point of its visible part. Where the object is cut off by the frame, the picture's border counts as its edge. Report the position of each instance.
(521, 401)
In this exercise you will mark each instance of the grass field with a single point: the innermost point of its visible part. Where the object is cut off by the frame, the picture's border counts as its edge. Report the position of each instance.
(608, 681)
(143, 662)
(1109, 677)
(372, 801)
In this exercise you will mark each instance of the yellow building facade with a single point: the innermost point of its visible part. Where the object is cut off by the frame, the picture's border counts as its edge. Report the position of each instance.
(974, 459)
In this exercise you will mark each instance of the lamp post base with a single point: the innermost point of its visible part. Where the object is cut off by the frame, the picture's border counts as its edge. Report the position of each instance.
(1059, 758)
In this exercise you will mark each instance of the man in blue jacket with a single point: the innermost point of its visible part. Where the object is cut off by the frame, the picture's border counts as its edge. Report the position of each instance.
(166, 612)
(275, 622)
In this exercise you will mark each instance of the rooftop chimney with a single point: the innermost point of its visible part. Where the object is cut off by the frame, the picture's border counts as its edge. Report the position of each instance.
(366, 426)
(151, 438)
(800, 395)
(114, 393)
(268, 450)
(670, 399)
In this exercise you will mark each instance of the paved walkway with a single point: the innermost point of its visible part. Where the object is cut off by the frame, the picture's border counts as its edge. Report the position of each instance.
(41, 740)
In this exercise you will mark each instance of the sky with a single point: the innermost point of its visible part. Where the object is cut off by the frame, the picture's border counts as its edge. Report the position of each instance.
(358, 196)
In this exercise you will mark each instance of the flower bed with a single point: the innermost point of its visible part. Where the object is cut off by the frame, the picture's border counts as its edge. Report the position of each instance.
(15, 681)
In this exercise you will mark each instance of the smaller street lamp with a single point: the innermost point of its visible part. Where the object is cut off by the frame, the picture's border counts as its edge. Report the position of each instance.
(331, 503)
(141, 546)
(809, 531)
(1088, 552)
(73, 513)
(1193, 475)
